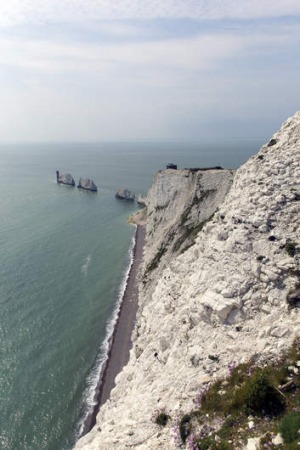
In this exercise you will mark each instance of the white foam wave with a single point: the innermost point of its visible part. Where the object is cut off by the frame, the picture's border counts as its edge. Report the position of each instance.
(96, 375)
(86, 264)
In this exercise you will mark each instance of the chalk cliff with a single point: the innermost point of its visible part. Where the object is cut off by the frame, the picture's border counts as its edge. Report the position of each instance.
(180, 202)
(229, 295)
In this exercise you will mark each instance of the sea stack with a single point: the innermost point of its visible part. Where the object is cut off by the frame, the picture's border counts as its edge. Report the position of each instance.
(87, 184)
(125, 194)
(65, 178)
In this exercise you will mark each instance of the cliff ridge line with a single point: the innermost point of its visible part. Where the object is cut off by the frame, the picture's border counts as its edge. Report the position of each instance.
(227, 295)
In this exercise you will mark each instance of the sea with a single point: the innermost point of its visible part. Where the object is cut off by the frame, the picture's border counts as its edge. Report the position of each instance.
(64, 260)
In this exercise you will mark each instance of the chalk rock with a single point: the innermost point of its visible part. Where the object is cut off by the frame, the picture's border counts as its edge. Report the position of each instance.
(125, 194)
(65, 178)
(180, 203)
(212, 284)
(87, 184)
(278, 440)
(142, 200)
(252, 444)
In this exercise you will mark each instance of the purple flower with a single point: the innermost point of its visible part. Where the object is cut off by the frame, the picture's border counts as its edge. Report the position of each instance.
(203, 390)
(231, 366)
(176, 434)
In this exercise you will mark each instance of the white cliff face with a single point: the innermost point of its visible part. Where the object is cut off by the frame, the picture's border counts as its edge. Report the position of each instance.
(180, 202)
(222, 300)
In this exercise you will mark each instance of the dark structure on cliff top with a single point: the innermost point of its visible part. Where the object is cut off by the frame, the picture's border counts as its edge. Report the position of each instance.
(171, 166)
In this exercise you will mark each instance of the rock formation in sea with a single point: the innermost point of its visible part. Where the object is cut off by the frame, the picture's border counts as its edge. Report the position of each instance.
(141, 200)
(125, 194)
(65, 178)
(87, 184)
(220, 283)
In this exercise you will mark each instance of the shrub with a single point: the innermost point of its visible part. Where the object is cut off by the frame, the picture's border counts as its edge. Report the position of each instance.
(162, 419)
(211, 400)
(155, 261)
(185, 427)
(227, 427)
(289, 427)
(261, 398)
(290, 248)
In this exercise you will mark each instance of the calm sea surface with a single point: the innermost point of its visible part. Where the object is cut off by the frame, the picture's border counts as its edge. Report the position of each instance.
(63, 257)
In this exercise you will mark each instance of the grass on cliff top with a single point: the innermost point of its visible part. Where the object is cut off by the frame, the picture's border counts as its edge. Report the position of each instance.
(252, 401)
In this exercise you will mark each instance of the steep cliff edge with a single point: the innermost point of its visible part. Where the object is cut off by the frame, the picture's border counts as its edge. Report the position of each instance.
(225, 298)
(180, 202)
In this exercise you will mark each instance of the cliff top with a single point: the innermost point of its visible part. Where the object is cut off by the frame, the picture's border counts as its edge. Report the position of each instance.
(224, 300)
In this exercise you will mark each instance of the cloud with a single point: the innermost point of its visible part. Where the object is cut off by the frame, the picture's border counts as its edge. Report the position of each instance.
(202, 52)
(14, 12)
(76, 70)
(199, 53)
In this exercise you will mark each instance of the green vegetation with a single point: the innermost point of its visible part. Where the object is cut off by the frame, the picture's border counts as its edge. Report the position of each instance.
(208, 443)
(290, 248)
(162, 418)
(154, 263)
(189, 235)
(195, 202)
(267, 395)
(185, 427)
(290, 426)
(261, 398)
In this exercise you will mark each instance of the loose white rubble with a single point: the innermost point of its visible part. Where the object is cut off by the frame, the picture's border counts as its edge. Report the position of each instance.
(225, 296)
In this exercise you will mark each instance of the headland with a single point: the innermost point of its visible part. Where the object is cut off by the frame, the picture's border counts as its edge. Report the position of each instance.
(220, 287)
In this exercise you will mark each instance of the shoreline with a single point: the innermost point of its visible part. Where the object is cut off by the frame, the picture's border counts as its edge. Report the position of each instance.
(121, 343)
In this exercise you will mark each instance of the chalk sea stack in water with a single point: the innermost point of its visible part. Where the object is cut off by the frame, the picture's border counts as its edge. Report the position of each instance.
(125, 194)
(87, 184)
(65, 178)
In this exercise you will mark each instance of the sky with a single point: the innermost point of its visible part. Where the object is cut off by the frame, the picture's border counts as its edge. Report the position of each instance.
(180, 70)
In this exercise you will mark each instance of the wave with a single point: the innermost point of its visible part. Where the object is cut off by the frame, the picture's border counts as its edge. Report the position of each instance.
(94, 380)
(86, 264)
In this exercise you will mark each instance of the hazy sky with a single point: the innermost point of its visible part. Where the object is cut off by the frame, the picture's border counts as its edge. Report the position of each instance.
(86, 70)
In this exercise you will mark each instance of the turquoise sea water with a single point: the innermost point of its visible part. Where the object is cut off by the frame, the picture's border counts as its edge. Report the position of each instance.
(63, 257)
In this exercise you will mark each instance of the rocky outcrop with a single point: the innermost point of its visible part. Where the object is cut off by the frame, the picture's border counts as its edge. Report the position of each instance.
(125, 194)
(87, 184)
(142, 200)
(230, 296)
(180, 203)
(65, 178)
